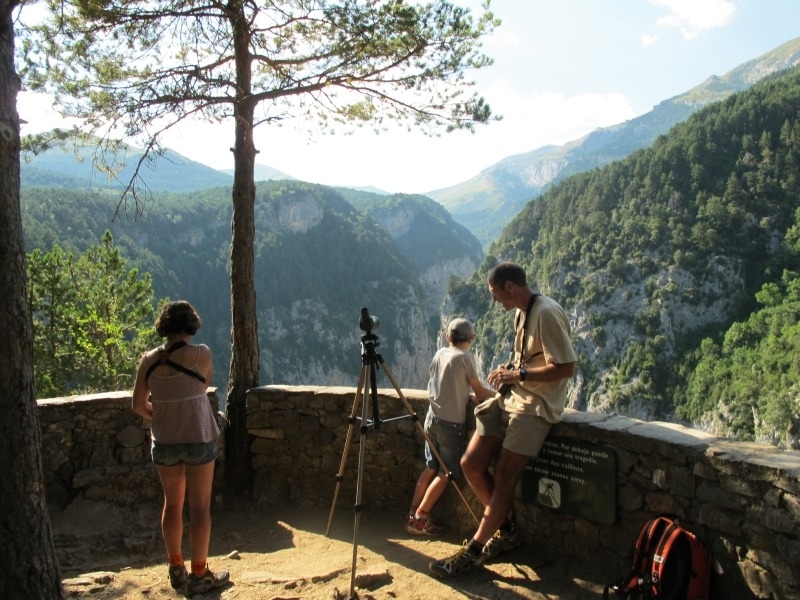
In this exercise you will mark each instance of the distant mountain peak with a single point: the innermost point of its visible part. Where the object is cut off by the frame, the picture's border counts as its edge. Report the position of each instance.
(264, 173)
(485, 203)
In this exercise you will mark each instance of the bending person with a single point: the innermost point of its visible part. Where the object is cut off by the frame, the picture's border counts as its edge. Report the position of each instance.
(453, 386)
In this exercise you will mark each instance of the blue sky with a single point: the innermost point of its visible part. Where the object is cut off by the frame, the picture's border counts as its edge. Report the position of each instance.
(562, 68)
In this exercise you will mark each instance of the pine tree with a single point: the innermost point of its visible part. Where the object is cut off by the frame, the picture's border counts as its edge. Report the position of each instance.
(331, 63)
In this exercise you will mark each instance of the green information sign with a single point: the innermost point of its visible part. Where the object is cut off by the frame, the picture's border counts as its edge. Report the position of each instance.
(575, 478)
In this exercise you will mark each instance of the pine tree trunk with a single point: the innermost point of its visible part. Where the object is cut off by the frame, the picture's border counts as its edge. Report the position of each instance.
(27, 553)
(244, 328)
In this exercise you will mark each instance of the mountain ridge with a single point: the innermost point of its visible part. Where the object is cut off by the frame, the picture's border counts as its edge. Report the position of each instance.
(394, 254)
(486, 202)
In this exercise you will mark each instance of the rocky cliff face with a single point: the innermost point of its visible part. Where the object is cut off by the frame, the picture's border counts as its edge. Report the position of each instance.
(414, 362)
(402, 221)
(434, 280)
(675, 302)
(293, 357)
(313, 341)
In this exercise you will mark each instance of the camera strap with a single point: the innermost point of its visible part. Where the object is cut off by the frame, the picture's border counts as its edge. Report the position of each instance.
(506, 387)
(164, 359)
(531, 301)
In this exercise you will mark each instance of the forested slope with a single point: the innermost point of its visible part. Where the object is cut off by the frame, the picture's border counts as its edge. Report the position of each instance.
(319, 260)
(661, 258)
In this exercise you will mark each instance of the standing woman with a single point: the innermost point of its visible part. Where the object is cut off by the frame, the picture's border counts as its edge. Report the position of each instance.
(170, 390)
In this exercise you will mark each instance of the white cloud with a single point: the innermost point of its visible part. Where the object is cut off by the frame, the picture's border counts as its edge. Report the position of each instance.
(551, 117)
(694, 16)
(507, 38)
(530, 121)
(648, 40)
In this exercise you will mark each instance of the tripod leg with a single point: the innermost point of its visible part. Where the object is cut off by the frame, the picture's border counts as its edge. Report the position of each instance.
(360, 480)
(435, 452)
(352, 421)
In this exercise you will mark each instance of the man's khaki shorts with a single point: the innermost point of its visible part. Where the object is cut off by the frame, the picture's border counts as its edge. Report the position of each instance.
(523, 434)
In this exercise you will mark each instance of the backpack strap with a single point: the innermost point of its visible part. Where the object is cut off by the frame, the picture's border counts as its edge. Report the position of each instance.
(637, 583)
(670, 535)
(164, 359)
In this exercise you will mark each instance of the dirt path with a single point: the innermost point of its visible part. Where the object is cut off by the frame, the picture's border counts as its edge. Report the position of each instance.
(283, 555)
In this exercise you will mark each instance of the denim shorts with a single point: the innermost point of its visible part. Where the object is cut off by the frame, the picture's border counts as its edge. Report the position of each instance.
(195, 453)
(450, 442)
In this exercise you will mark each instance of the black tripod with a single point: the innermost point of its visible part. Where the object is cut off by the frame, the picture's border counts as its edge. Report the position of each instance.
(370, 359)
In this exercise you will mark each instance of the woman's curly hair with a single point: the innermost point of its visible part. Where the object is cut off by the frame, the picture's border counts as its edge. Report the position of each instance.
(177, 317)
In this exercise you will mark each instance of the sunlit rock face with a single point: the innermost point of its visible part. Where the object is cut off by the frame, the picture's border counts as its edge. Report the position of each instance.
(298, 214)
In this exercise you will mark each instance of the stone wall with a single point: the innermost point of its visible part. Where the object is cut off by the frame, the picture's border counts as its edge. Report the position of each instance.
(743, 500)
(94, 446)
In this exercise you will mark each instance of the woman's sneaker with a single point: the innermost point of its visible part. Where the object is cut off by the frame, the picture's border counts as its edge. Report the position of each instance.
(501, 542)
(209, 581)
(178, 576)
(424, 526)
(460, 562)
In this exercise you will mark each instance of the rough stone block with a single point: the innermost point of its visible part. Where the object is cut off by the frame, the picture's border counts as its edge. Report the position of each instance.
(779, 521)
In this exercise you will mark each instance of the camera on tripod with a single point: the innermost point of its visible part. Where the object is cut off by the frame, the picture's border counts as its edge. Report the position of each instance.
(368, 389)
(367, 322)
(369, 341)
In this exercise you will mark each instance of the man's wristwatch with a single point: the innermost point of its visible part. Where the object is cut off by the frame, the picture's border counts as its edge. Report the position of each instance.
(523, 373)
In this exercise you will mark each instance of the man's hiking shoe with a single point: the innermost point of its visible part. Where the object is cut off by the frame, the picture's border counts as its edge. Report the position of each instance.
(178, 576)
(209, 581)
(460, 562)
(501, 542)
(419, 527)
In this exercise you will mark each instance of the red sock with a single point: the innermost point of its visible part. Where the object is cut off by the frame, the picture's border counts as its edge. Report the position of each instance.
(199, 569)
(175, 559)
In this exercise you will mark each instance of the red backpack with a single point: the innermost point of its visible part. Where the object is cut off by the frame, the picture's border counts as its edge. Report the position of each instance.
(669, 563)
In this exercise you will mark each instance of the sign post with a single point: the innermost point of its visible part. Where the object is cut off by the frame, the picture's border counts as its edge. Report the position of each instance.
(573, 477)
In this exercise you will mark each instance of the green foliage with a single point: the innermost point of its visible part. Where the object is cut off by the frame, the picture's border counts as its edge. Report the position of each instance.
(752, 377)
(92, 318)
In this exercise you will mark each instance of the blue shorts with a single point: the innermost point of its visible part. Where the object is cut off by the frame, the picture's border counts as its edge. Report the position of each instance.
(196, 453)
(450, 441)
